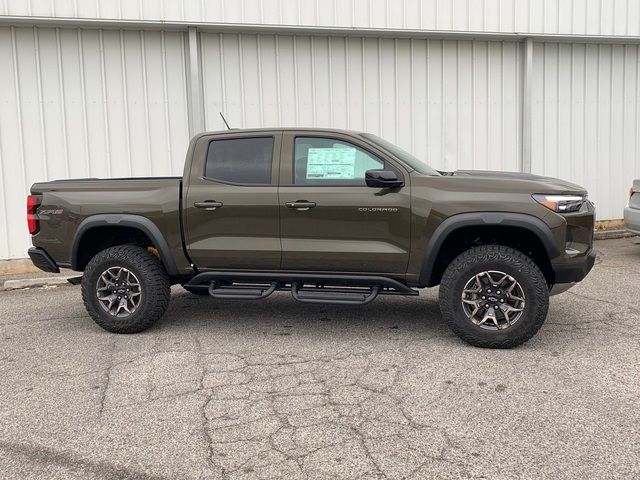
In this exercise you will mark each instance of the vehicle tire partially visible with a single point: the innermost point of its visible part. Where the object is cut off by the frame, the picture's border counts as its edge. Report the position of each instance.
(125, 289)
(494, 296)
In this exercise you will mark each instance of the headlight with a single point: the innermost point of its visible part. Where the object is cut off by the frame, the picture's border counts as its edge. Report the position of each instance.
(561, 203)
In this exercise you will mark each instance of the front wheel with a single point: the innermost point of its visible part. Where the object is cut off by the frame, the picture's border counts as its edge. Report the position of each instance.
(494, 296)
(125, 289)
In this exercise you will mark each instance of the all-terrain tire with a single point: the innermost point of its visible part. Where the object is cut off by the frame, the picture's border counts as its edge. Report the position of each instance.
(155, 288)
(503, 259)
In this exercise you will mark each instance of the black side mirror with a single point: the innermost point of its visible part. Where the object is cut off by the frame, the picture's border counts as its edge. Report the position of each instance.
(382, 179)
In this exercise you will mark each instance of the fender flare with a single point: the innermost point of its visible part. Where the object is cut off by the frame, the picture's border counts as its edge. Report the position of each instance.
(522, 220)
(139, 222)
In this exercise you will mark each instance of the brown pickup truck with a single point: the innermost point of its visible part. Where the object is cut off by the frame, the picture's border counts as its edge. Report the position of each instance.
(332, 216)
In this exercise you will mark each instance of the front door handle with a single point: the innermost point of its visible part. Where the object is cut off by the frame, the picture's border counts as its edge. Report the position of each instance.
(208, 204)
(301, 205)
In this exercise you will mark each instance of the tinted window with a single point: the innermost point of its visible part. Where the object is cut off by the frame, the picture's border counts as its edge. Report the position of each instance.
(240, 160)
(326, 161)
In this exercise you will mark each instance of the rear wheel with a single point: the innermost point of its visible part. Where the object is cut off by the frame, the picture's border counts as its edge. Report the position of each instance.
(494, 296)
(125, 289)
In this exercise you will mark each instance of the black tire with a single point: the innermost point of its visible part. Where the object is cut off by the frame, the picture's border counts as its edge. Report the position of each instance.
(197, 291)
(154, 283)
(503, 259)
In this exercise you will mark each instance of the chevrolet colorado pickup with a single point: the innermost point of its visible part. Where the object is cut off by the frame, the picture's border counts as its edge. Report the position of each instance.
(332, 216)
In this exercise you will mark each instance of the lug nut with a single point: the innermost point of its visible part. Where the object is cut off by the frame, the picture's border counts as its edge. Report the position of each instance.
(498, 292)
(488, 290)
(486, 306)
(483, 297)
(502, 300)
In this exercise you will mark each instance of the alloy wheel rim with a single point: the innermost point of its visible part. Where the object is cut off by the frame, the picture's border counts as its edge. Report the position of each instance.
(119, 292)
(493, 300)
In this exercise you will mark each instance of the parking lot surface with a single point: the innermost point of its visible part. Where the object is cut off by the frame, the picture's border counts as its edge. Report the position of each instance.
(279, 389)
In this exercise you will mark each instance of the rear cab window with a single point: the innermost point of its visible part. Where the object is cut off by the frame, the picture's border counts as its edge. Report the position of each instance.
(242, 161)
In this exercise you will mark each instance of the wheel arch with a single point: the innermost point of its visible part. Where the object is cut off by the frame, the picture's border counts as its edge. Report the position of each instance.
(114, 222)
(430, 273)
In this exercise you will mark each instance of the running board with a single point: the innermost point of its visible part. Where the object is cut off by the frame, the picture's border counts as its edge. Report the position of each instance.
(341, 296)
(386, 285)
(241, 292)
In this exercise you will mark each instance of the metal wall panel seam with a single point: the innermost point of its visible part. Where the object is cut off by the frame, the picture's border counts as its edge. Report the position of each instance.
(125, 98)
(314, 110)
(105, 102)
(364, 86)
(243, 110)
(527, 110)
(62, 103)
(3, 192)
(16, 79)
(411, 95)
(43, 146)
(330, 70)
(295, 80)
(167, 112)
(222, 79)
(145, 96)
(260, 104)
(277, 55)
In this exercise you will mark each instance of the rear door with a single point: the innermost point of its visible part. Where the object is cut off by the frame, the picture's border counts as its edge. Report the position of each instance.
(231, 202)
(330, 219)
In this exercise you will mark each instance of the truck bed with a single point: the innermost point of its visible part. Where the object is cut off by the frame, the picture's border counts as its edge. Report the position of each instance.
(67, 203)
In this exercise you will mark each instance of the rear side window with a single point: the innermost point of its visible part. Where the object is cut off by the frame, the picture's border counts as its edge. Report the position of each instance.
(240, 160)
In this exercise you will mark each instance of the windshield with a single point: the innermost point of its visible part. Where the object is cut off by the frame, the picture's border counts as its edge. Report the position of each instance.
(403, 155)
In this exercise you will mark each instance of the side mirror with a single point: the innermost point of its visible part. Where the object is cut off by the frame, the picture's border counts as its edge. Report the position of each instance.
(382, 179)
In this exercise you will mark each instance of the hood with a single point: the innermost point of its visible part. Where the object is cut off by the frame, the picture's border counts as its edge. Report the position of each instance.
(539, 183)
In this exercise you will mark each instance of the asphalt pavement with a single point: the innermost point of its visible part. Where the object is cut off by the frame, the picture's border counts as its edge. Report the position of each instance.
(279, 389)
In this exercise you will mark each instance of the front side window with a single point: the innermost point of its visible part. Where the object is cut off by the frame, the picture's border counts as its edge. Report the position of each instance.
(327, 161)
(240, 160)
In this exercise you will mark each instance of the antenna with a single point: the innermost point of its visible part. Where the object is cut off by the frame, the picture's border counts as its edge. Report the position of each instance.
(225, 121)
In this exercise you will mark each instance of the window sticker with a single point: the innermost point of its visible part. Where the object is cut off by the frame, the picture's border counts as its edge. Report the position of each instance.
(331, 163)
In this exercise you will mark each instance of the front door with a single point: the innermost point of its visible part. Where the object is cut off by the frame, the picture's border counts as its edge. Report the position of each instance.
(330, 220)
(231, 203)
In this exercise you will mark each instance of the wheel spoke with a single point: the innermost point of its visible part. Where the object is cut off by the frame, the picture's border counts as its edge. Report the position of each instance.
(493, 300)
(118, 291)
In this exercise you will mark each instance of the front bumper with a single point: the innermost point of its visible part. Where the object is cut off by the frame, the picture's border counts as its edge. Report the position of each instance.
(42, 260)
(575, 271)
(632, 219)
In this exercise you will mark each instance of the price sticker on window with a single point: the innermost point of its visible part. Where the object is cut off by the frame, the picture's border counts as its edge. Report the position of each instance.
(331, 163)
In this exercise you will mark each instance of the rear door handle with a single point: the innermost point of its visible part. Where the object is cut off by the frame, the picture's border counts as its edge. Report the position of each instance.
(300, 205)
(208, 204)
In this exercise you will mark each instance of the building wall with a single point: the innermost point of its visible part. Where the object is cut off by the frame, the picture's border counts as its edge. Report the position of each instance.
(86, 103)
(586, 119)
(577, 17)
(78, 102)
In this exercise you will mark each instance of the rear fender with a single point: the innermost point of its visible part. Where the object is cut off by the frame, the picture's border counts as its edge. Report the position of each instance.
(139, 222)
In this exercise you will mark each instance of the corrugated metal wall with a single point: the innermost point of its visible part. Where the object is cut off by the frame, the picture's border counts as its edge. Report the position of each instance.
(80, 103)
(89, 102)
(454, 103)
(586, 119)
(588, 17)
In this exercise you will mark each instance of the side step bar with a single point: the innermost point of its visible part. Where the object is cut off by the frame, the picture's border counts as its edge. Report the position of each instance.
(334, 295)
(318, 288)
(241, 292)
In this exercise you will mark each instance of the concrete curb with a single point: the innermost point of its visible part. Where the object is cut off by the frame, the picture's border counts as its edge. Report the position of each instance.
(36, 282)
(609, 234)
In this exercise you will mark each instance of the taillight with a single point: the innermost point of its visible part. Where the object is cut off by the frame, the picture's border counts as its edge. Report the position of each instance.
(33, 202)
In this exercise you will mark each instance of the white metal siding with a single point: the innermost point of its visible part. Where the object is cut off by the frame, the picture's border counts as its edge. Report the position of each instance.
(580, 17)
(586, 119)
(454, 103)
(86, 103)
